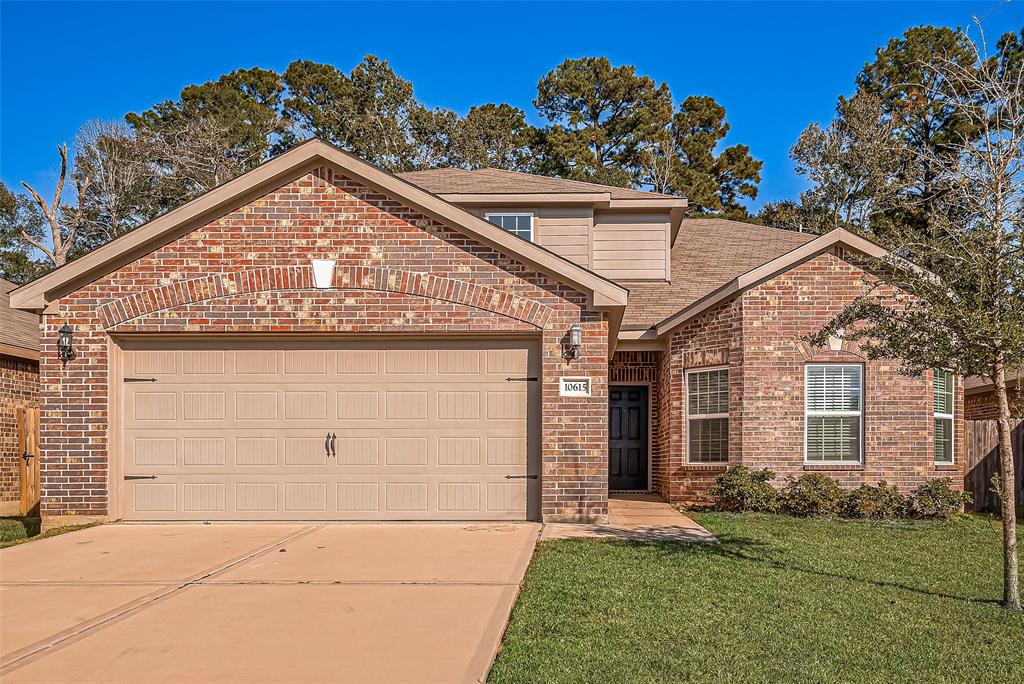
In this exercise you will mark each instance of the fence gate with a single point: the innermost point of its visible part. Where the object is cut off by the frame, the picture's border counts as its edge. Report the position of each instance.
(983, 461)
(28, 467)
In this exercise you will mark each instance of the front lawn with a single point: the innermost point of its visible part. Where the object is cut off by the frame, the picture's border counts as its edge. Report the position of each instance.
(780, 599)
(18, 530)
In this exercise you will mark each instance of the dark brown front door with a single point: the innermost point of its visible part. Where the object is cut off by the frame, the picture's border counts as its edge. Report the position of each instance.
(627, 437)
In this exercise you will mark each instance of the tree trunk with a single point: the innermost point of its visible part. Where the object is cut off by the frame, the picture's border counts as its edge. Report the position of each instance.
(1007, 482)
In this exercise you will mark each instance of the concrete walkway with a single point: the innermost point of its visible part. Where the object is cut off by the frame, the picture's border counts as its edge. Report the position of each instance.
(636, 517)
(260, 602)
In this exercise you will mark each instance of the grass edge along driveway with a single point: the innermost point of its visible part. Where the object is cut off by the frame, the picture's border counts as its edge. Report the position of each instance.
(780, 599)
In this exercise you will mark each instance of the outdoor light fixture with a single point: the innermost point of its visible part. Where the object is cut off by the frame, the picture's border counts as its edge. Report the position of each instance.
(65, 350)
(572, 348)
(323, 273)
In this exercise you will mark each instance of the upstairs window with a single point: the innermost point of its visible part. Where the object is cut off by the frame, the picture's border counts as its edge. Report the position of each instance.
(834, 408)
(708, 413)
(517, 224)
(942, 405)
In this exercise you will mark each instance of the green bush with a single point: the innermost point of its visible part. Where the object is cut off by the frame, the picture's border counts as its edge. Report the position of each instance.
(810, 495)
(866, 501)
(742, 489)
(937, 499)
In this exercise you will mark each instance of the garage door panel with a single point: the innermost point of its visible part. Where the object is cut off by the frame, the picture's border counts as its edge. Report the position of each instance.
(431, 431)
(316, 497)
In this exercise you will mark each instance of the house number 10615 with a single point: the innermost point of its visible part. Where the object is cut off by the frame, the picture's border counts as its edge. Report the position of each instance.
(574, 387)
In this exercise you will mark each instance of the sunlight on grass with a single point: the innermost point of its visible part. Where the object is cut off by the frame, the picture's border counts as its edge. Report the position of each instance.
(780, 599)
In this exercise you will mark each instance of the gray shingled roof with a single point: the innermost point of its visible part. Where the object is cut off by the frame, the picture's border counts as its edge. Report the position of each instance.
(18, 329)
(483, 181)
(708, 253)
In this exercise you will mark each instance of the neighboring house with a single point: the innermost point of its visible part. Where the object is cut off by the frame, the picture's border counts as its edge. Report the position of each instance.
(489, 345)
(19, 387)
(980, 397)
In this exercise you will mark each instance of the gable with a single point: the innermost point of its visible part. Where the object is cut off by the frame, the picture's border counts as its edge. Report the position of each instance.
(289, 166)
(256, 259)
(835, 240)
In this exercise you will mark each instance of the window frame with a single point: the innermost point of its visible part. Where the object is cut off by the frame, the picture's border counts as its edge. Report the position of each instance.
(705, 416)
(860, 414)
(951, 417)
(530, 214)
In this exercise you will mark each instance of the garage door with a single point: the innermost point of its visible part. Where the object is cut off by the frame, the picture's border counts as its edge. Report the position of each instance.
(371, 431)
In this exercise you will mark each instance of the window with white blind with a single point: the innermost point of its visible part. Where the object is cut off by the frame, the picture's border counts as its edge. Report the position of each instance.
(834, 411)
(517, 224)
(708, 415)
(942, 403)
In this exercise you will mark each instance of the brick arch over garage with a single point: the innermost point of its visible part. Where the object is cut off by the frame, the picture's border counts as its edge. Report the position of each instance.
(274, 278)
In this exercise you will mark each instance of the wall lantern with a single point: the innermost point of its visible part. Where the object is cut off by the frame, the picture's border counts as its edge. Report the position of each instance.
(575, 339)
(323, 273)
(65, 348)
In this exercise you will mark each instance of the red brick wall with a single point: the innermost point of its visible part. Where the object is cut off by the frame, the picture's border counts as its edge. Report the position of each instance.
(713, 339)
(19, 386)
(758, 335)
(983, 406)
(248, 272)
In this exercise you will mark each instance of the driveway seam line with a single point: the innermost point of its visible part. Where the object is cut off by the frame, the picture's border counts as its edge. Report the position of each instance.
(34, 651)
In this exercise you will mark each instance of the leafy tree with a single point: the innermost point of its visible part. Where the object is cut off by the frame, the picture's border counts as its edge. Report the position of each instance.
(495, 136)
(916, 99)
(18, 213)
(713, 183)
(785, 214)
(1010, 53)
(371, 112)
(855, 169)
(965, 313)
(212, 133)
(601, 119)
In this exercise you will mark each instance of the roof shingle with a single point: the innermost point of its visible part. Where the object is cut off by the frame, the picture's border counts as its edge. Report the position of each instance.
(485, 181)
(708, 253)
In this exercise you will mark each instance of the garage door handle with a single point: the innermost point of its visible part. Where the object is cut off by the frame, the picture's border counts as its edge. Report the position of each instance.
(520, 379)
(140, 477)
(329, 444)
(520, 477)
(140, 379)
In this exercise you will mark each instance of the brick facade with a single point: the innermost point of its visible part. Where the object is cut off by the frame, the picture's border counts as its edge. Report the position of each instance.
(983, 406)
(19, 386)
(248, 272)
(757, 335)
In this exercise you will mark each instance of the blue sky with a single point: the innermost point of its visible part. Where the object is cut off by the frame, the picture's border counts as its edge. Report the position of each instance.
(774, 66)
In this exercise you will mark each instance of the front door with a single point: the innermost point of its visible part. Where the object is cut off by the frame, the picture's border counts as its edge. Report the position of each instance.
(627, 437)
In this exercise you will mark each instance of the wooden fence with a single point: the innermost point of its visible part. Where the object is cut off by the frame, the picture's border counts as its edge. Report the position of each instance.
(28, 467)
(983, 461)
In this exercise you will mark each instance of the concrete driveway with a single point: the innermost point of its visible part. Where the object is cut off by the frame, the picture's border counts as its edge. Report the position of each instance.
(260, 602)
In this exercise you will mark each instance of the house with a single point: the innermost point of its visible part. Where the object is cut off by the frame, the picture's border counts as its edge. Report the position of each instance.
(19, 387)
(320, 339)
(980, 397)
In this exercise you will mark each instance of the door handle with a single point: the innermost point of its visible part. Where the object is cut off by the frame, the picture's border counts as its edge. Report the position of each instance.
(327, 444)
(520, 477)
(334, 452)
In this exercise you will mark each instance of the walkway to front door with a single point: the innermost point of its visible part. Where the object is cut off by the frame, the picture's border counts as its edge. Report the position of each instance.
(627, 437)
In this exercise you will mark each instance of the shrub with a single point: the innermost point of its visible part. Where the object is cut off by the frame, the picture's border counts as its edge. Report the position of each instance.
(811, 494)
(866, 501)
(742, 489)
(937, 499)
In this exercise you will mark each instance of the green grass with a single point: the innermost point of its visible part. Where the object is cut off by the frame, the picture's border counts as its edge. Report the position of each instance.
(780, 599)
(18, 530)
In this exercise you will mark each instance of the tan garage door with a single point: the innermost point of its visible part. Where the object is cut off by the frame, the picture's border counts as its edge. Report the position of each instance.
(335, 431)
